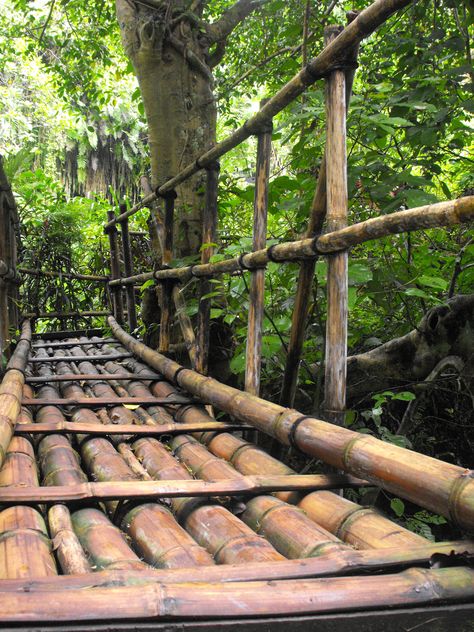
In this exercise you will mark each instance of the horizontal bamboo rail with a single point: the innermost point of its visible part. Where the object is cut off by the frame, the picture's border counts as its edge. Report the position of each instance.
(414, 587)
(125, 490)
(333, 564)
(334, 55)
(65, 275)
(99, 358)
(85, 377)
(73, 343)
(74, 428)
(99, 402)
(86, 314)
(422, 217)
(438, 486)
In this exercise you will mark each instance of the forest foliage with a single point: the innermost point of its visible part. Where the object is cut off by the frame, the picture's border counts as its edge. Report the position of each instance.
(73, 134)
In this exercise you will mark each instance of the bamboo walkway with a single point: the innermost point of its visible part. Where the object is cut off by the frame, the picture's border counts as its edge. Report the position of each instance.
(118, 508)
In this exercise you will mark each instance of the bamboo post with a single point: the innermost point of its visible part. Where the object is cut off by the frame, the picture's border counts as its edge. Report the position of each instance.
(166, 257)
(307, 267)
(337, 279)
(209, 227)
(128, 266)
(257, 280)
(111, 231)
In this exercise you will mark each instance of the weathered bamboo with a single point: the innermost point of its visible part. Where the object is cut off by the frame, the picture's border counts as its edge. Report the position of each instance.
(64, 315)
(128, 268)
(414, 587)
(117, 302)
(25, 549)
(62, 335)
(185, 324)
(307, 267)
(430, 216)
(337, 275)
(211, 525)
(166, 258)
(361, 527)
(71, 556)
(60, 464)
(82, 377)
(72, 343)
(441, 487)
(173, 549)
(209, 227)
(253, 356)
(65, 275)
(11, 390)
(73, 428)
(332, 56)
(104, 543)
(99, 402)
(59, 358)
(332, 564)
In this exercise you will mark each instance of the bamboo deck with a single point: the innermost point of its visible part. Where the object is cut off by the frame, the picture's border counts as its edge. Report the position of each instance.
(178, 517)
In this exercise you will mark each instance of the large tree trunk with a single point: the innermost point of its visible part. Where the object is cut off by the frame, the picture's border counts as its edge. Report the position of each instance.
(446, 330)
(168, 52)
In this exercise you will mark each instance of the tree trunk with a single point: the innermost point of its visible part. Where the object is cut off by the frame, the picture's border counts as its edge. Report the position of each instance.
(168, 51)
(446, 330)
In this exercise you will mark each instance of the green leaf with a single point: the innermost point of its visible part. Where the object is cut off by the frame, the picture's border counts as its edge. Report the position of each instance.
(397, 506)
(435, 282)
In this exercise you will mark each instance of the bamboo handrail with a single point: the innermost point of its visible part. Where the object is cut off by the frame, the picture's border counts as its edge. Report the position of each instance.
(46, 315)
(438, 486)
(332, 56)
(66, 275)
(440, 214)
(126, 490)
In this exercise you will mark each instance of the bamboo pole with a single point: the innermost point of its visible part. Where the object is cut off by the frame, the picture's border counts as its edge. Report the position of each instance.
(74, 428)
(111, 231)
(65, 315)
(333, 55)
(128, 268)
(440, 487)
(166, 258)
(423, 217)
(11, 390)
(307, 267)
(82, 377)
(337, 275)
(60, 358)
(257, 277)
(71, 556)
(334, 563)
(209, 227)
(65, 275)
(415, 587)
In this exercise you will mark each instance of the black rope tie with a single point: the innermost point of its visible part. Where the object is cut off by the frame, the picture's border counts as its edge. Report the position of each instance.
(294, 428)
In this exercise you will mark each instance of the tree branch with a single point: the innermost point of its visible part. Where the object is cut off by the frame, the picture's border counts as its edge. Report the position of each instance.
(223, 27)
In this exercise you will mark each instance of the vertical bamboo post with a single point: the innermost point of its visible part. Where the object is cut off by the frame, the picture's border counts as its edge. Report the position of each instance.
(128, 267)
(167, 286)
(257, 279)
(306, 272)
(209, 228)
(117, 302)
(337, 281)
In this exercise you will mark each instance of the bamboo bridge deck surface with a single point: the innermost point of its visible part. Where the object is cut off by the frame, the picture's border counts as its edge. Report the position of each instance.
(153, 510)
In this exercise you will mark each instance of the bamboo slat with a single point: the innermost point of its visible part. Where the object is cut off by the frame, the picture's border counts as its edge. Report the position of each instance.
(99, 402)
(71, 556)
(438, 486)
(62, 358)
(414, 587)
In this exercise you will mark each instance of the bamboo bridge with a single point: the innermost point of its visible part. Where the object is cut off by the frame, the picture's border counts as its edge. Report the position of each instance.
(135, 492)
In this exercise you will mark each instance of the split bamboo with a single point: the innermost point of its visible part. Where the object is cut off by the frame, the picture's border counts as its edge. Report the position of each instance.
(438, 486)
(71, 556)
